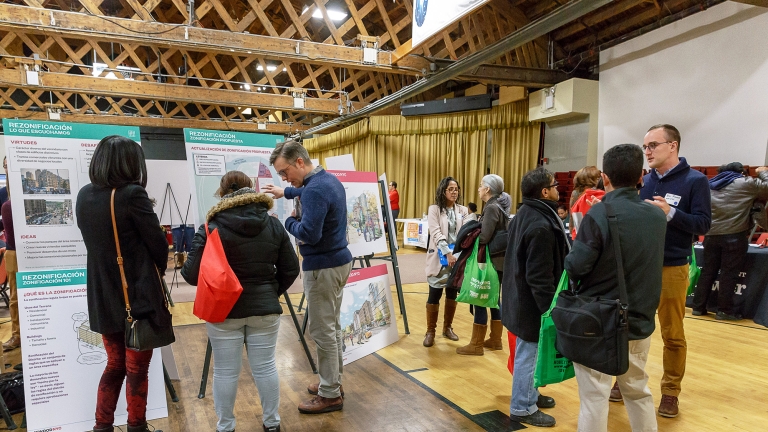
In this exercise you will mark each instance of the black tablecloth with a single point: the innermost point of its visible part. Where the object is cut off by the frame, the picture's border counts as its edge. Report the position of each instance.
(750, 299)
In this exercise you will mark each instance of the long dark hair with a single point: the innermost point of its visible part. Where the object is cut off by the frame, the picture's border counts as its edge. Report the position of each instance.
(118, 161)
(440, 200)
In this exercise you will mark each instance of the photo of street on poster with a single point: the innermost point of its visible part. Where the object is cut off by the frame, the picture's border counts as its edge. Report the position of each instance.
(365, 221)
(367, 314)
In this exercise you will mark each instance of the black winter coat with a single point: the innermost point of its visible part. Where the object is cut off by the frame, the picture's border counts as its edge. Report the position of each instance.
(533, 265)
(145, 255)
(257, 248)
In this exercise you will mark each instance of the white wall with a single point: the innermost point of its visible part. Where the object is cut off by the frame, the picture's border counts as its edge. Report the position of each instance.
(565, 144)
(706, 74)
(159, 174)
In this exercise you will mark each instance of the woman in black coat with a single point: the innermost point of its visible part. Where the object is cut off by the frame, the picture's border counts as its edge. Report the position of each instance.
(494, 218)
(260, 253)
(118, 163)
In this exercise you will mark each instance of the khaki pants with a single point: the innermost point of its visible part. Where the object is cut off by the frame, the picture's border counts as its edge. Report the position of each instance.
(595, 388)
(671, 311)
(324, 290)
(12, 267)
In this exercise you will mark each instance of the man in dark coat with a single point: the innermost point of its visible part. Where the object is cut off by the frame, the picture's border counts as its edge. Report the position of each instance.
(533, 265)
(592, 264)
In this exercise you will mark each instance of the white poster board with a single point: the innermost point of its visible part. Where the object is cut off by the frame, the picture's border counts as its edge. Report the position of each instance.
(432, 16)
(211, 154)
(340, 163)
(367, 314)
(365, 223)
(415, 233)
(63, 359)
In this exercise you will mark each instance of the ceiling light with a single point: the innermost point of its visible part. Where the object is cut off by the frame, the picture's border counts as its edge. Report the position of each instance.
(259, 68)
(284, 69)
(334, 15)
(247, 86)
(271, 68)
(247, 111)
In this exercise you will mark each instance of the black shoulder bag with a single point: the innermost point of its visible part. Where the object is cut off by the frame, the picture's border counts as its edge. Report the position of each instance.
(498, 244)
(594, 332)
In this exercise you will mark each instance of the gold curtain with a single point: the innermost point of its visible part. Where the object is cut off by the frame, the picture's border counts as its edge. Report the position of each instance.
(417, 152)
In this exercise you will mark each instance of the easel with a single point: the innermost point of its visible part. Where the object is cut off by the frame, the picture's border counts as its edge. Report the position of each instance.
(365, 261)
(209, 349)
(169, 194)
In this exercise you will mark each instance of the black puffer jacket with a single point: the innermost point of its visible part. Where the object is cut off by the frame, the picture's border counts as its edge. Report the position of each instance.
(258, 250)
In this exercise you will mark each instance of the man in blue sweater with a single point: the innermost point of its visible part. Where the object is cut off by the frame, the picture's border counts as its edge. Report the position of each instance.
(683, 194)
(321, 229)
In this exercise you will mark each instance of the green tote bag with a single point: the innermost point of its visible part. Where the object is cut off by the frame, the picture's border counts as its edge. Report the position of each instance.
(551, 366)
(693, 273)
(481, 282)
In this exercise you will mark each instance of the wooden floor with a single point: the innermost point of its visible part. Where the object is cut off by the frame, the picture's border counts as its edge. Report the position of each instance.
(406, 387)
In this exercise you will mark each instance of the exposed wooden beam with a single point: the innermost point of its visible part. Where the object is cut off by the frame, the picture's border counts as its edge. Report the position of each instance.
(510, 75)
(169, 92)
(72, 24)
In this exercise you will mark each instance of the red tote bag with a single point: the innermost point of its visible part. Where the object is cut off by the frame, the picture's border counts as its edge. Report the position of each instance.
(217, 285)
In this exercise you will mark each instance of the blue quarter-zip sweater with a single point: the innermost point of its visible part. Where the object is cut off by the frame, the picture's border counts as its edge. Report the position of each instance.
(693, 212)
(323, 225)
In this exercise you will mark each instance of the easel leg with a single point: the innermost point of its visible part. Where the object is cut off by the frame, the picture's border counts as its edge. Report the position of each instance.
(7, 415)
(167, 292)
(206, 367)
(299, 330)
(169, 385)
(301, 302)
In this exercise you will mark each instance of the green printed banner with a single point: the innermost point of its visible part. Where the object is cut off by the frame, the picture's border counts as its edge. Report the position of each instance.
(35, 128)
(205, 136)
(49, 278)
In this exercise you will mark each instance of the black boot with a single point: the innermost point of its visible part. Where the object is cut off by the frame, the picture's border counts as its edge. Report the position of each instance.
(271, 429)
(142, 428)
(106, 429)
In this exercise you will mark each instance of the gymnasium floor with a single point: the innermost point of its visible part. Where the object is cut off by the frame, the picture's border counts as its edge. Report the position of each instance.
(406, 387)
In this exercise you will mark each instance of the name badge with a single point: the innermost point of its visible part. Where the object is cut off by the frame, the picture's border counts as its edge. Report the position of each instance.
(672, 199)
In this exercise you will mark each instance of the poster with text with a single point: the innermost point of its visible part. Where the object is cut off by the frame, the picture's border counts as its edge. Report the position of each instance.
(211, 154)
(365, 222)
(63, 359)
(367, 314)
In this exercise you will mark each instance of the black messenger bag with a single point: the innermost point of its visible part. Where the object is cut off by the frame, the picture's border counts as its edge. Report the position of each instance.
(594, 331)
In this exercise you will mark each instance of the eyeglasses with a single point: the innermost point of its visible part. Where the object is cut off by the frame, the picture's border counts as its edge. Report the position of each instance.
(452, 189)
(282, 173)
(555, 184)
(653, 144)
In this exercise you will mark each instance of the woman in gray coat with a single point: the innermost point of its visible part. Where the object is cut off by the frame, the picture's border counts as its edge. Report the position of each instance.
(494, 218)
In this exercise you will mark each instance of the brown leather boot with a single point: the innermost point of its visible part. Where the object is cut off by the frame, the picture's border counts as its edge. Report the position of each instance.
(494, 340)
(475, 345)
(432, 311)
(450, 311)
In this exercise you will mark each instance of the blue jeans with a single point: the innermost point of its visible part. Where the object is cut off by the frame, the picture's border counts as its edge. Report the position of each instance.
(260, 336)
(524, 394)
(182, 237)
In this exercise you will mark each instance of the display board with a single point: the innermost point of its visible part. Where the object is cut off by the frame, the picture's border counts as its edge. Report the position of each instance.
(432, 16)
(63, 359)
(211, 154)
(367, 316)
(416, 232)
(365, 222)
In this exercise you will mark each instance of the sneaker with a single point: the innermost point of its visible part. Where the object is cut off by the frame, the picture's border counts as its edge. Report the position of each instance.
(313, 388)
(536, 419)
(545, 402)
(11, 344)
(615, 393)
(699, 313)
(720, 316)
(319, 405)
(668, 406)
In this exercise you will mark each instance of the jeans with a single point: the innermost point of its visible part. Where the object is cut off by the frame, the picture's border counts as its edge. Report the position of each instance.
(671, 311)
(726, 254)
(324, 290)
(128, 365)
(260, 336)
(182, 238)
(524, 394)
(595, 388)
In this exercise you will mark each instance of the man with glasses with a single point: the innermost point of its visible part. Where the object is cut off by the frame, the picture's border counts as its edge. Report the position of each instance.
(683, 194)
(322, 232)
(533, 264)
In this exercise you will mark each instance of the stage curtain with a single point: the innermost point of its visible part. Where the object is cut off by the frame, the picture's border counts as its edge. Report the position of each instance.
(417, 152)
